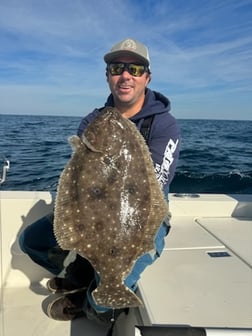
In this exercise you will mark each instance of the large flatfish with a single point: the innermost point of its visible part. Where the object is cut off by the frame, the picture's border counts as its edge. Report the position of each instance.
(109, 204)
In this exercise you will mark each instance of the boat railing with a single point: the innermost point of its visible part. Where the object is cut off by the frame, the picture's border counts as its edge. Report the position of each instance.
(6, 167)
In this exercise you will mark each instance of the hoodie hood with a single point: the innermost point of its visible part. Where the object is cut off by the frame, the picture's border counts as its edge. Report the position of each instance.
(154, 103)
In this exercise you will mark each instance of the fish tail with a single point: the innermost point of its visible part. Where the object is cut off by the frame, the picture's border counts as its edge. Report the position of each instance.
(117, 297)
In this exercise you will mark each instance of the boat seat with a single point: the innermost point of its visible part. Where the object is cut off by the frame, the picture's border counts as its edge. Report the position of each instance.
(234, 233)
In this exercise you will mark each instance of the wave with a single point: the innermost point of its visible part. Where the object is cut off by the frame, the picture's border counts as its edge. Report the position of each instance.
(234, 182)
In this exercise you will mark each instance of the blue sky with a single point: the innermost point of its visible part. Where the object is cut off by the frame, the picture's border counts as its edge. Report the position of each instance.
(51, 54)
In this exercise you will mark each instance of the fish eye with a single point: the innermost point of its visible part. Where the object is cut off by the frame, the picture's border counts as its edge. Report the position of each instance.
(97, 192)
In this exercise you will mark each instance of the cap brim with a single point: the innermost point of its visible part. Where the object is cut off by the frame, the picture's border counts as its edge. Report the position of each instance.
(109, 57)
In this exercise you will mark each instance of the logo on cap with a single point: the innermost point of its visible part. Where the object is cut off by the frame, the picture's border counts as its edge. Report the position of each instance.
(128, 45)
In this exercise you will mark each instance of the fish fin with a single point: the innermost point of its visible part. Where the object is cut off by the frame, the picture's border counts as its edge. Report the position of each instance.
(118, 297)
(75, 142)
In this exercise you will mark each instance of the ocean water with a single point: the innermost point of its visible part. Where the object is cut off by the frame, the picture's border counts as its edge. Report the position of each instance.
(215, 157)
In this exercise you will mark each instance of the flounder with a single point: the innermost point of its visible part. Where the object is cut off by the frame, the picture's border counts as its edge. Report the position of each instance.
(109, 204)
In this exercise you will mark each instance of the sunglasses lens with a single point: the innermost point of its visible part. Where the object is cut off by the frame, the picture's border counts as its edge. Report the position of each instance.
(135, 70)
(116, 68)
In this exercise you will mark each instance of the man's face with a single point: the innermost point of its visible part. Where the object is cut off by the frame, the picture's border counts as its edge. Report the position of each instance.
(127, 89)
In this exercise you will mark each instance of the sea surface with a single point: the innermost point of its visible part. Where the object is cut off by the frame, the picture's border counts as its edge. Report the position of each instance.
(215, 157)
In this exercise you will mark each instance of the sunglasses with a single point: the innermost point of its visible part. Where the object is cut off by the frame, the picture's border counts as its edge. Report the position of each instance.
(136, 70)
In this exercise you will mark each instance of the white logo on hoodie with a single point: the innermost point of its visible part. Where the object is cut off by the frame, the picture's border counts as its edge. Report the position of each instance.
(162, 171)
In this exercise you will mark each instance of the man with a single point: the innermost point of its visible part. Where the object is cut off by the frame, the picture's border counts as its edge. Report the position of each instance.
(128, 75)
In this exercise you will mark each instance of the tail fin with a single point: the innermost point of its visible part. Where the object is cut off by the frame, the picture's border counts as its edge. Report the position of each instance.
(115, 297)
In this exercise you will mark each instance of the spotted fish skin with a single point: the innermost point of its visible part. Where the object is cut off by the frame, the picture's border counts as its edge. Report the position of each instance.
(109, 204)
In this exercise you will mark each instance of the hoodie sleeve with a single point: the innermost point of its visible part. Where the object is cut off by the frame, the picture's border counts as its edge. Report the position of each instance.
(164, 145)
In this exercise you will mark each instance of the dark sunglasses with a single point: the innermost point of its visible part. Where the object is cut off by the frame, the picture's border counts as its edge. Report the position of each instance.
(136, 70)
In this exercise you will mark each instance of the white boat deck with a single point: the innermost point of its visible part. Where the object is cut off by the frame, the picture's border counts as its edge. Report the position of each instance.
(203, 278)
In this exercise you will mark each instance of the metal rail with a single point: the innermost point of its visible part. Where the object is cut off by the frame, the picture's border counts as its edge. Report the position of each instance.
(192, 331)
(6, 167)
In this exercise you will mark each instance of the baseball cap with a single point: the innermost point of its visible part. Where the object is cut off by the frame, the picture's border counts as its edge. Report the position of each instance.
(128, 47)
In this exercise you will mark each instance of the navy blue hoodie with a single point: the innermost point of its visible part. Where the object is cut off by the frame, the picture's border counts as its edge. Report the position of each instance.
(164, 137)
